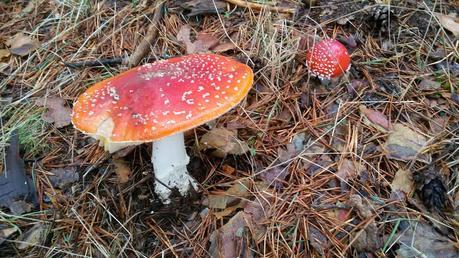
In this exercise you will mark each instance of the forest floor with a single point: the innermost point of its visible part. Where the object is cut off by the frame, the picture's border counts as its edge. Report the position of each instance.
(367, 166)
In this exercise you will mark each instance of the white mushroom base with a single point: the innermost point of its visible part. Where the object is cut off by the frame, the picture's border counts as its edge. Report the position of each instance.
(169, 160)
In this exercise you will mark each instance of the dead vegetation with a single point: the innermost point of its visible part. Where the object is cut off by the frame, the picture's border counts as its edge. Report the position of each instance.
(363, 167)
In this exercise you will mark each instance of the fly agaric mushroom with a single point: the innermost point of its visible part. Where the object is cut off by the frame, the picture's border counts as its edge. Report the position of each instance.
(328, 59)
(156, 103)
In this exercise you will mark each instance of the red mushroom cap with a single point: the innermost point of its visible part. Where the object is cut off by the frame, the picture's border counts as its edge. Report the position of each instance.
(328, 59)
(159, 99)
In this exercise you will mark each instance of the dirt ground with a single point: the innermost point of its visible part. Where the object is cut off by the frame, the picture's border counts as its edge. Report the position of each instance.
(364, 166)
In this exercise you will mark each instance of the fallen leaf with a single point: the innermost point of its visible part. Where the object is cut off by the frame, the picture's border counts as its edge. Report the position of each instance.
(204, 41)
(57, 113)
(226, 241)
(277, 173)
(5, 233)
(375, 118)
(346, 170)
(22, 44)
(367, 239)
(421, 240)
(202, 7)
(318, 240)
(405, 144)
(122, 171)
(403, 182)
(4, 53)
(427, 84)
(449, 22)
(19, 207)
(223, 47)
(3, 67)
(224, 142)
(14, 184)
(32, 237)
(63, 177)
(30, 7)
(219, 200)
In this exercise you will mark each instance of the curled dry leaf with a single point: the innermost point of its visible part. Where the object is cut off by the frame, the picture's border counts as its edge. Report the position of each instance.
(224, 142)
(122, 171)
(22, 44)
(405, 144)
(449, 22)
(375, 118)
(57, 113)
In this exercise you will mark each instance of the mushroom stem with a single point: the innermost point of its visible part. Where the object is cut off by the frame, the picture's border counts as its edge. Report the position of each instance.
(169, 160)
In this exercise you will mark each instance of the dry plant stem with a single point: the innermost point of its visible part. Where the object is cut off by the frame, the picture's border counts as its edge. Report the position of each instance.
(246, 4)
(117, 60)
(144, 46)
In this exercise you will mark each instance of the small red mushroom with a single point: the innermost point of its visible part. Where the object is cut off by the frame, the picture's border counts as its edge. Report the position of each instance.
(328, 59)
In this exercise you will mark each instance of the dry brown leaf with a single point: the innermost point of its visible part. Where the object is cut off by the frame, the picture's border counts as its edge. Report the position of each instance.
(122, 171)
(318, 240)
(223, 47)
(57, 113)
(226, 241)
(202, 7)
(224, 142)
(427, 84)
(22, 44)
(4, 67)
(204, 41)
(405, 144)
(5, 233)
(422, 240)
(375, 118)
(4, 53)
(32, 237)
(403, 181)
(449, 22)
(219, 200)
(63, 177)
(346, 170)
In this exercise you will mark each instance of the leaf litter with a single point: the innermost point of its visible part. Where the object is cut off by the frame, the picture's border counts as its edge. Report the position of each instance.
(308, 211)
(57, 112)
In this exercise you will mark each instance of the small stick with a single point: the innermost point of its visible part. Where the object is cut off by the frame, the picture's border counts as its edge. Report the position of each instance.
(144, 46)
(243, 3)
(117, 60)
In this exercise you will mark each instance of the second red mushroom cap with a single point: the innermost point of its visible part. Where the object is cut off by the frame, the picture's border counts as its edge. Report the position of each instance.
(328, 59)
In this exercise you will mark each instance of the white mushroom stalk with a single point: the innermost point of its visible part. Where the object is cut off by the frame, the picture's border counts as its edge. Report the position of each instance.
(169, 160)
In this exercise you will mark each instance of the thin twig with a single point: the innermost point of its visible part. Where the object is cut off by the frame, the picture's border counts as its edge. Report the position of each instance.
(256, 6)
(117, 60)
(144, 46)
